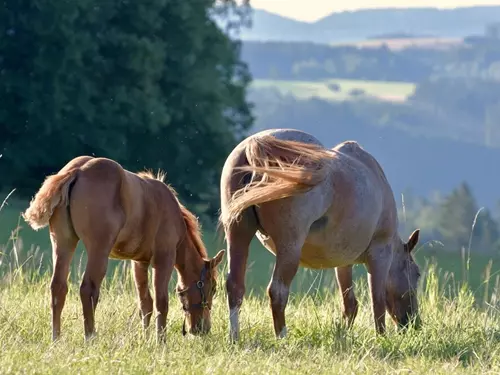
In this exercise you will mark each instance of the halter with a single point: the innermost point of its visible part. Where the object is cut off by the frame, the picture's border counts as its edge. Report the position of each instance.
(203, 304)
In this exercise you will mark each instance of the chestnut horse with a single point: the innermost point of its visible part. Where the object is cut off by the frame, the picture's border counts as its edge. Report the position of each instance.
(319, 208)
(122, 215)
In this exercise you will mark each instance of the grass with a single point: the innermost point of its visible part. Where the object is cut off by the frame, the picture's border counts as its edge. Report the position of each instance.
(458, 335)
(393, 91)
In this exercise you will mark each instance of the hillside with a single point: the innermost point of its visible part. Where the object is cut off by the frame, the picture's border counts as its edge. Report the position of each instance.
(362, 24)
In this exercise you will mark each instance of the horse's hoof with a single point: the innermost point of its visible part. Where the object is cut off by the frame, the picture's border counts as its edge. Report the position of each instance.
(234, 337)
(282, 334)
(55, 337)
(90, 337)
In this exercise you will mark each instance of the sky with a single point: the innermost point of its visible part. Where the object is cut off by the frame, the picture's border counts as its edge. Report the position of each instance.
(312, 10)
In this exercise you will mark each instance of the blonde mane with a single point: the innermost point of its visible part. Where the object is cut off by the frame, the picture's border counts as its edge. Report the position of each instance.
(148, 174)
(160, 176)
(192, 226)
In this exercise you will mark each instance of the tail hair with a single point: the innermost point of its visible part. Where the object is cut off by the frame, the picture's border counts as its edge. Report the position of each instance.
(54, 192)
(281, 169)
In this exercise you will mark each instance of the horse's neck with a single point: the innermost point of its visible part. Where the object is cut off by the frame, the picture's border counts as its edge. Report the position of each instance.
(189, 262)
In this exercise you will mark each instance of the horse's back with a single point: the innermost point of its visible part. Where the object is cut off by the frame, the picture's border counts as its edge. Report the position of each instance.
(290, 135)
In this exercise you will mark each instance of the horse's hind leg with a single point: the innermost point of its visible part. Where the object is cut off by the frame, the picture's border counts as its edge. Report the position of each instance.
(140, 270)
(64, 241)
(344, 279)
(287, 264)
(238, 237)
(98, 250)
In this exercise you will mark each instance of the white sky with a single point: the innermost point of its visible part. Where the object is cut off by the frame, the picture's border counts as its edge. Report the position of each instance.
(311, 10)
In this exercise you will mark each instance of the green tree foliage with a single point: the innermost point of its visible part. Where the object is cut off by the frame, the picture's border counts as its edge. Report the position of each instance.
(461, 222)
(152, 84)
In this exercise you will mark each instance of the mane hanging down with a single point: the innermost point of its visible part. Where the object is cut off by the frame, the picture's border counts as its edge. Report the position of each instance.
(193, 231)
(280, 169)
(192, 226)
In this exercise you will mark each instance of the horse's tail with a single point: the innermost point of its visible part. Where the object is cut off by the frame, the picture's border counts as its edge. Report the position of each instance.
(53, 193)
(286, 168)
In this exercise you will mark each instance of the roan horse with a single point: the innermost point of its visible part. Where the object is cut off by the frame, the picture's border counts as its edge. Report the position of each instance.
(122, 215)
(320, 209)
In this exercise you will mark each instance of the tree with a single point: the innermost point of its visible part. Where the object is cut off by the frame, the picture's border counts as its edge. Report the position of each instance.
(151, 84)
(456, 217)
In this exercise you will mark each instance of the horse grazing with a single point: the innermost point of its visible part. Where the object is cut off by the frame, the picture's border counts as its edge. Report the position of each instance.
(319, 208)
(122, 215)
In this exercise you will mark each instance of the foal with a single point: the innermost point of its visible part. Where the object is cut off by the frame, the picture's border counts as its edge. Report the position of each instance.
(122, 215)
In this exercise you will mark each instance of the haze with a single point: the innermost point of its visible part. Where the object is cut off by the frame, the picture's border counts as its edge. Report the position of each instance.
(313, 10)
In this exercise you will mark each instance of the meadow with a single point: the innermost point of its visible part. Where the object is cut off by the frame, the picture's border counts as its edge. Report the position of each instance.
(340, 89)
(396, 44)
(461, 331)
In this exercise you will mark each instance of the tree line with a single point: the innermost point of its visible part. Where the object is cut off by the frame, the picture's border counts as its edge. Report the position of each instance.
(310, 61)
(454, 219)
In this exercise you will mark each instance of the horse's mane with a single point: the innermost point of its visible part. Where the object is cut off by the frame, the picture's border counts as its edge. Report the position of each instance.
(193, 230)
(148, 174)
(192, 226)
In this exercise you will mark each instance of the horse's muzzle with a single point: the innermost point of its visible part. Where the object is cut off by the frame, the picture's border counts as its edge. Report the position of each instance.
(200, 329)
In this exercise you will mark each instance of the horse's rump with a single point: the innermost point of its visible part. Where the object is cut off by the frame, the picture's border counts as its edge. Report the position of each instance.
(280, 169)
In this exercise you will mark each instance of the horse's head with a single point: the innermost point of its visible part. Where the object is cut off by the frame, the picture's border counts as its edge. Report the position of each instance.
(404, 274)
(197, 297)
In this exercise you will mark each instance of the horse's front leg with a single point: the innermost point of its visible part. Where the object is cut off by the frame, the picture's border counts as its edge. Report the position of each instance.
(287, 263)
(140, 271)
(378, 264)
(163, 267)
(344, 279)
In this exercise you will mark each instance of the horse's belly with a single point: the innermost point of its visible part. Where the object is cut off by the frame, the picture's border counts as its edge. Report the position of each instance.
(318, 256)
(130, 248)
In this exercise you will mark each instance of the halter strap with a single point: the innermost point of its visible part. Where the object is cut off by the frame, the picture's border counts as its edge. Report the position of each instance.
(203, 304)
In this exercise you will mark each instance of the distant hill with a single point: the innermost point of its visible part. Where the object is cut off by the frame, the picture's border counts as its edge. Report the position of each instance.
(355, 25)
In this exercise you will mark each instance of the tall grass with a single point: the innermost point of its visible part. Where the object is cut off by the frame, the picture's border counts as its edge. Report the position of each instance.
(457, 335)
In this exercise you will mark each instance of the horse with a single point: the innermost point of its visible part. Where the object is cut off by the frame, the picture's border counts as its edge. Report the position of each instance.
(317, 208)
(122, 215)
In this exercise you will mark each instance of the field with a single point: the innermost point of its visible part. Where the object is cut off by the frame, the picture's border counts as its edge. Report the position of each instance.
(402, 43)
(461, 332)
(340, 89)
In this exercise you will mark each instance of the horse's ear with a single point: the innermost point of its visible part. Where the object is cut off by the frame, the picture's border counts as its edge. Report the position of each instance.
(215, 261)
(413, 240)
